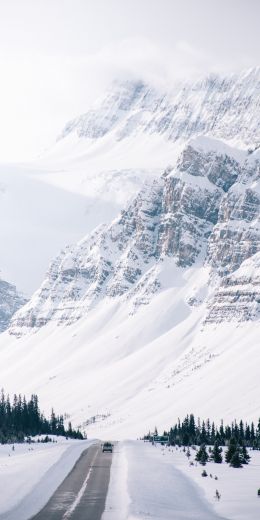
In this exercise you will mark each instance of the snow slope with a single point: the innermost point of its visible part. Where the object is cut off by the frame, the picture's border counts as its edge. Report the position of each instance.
(119, 374)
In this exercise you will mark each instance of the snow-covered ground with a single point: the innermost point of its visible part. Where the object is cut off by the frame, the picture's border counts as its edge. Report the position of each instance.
(141, 370)
(156, 483)
(30, 474)
(237, 487)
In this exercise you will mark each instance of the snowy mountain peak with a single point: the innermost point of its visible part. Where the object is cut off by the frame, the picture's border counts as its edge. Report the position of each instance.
(121, 99)
(224, 107)
(189, 215)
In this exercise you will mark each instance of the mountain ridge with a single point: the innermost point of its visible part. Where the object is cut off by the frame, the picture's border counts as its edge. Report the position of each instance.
(214, 105)
(188, 212)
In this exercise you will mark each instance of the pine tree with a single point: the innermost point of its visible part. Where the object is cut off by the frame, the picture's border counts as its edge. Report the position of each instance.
(216, 453)
(192, 428)
(245, 457)
(232, 448)
(53, 422)
(21, 419)
(222, 433)
(213, 434)
(235, 461)
(202, 455)
(247, 434)
(203, 434)
(241, 431)
(252, 433)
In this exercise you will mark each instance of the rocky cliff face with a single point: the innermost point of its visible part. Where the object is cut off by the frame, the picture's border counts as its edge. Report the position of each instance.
(10, 302)
(236, 236)
(204, 209)
(223, 107)
(238, 297)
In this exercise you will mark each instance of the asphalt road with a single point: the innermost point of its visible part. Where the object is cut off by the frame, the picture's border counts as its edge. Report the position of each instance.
(82, 494)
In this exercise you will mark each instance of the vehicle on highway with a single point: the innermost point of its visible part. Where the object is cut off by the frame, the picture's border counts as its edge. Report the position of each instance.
(107, 446)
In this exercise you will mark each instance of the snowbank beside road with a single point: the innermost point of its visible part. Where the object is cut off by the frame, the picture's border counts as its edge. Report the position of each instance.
(31, 473)
(145, 483)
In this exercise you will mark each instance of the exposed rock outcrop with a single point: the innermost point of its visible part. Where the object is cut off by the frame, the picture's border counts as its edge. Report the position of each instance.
(10, 302)
(238, 297)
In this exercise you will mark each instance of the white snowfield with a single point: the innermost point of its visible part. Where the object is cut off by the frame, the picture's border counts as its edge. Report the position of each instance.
(31, 473)
(159, 484)
(132, 372)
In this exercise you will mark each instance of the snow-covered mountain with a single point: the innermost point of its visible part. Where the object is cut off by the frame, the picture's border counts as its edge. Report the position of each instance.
(10, 302)
(102, 159)
(150, 306)
(205, 208)
(223, 107)
(157, 306)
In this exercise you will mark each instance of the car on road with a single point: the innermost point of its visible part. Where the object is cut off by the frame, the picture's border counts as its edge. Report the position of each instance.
(107, 446)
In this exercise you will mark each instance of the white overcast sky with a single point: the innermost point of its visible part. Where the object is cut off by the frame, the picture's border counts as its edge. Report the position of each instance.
(56, 56)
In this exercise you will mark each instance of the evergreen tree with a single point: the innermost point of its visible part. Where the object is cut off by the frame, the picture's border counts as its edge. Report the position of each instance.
(192, 428)
(213, 434)
(202, 455)
(247, 434)
(188, 432)
(228, 433)
(245, 457)
(235, 461)
(203, 434)
(231, 449)
(216, 454)
(21, 419)
(252, 433)
(241, 431)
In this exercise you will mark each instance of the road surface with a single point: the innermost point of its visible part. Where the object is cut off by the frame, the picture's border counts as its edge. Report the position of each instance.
(82, 494)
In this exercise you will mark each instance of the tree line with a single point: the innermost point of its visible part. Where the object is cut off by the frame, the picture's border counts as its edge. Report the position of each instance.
(20, 418)
(237, 437)
(190, 431)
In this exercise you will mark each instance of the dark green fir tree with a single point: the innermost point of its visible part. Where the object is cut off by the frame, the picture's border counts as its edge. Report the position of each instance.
(236, 459)
(202, 455)
(216, 454)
